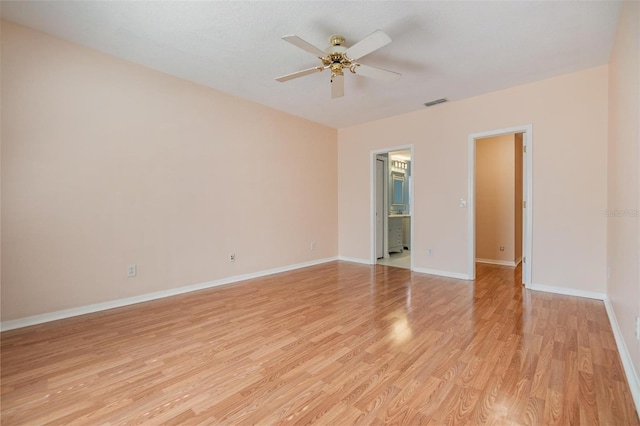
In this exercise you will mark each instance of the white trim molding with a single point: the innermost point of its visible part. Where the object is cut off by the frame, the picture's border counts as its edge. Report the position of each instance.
(355, 260)
(497, 262)
(118, 303)
(568, 291)
(447, 274)
(625, 356)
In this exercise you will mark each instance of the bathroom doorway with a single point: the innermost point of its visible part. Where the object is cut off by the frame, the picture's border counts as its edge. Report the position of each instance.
(392, 201)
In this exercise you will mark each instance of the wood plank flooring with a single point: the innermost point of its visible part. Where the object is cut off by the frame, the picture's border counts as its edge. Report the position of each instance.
(333, 344)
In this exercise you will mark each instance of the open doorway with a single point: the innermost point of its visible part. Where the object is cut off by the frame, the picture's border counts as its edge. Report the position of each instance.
(500, 199)
(391, 210)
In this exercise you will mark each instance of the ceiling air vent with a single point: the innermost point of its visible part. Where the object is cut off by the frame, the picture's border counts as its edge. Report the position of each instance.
(436, 102)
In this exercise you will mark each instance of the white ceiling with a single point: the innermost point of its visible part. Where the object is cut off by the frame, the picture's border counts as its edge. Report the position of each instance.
(442, 48)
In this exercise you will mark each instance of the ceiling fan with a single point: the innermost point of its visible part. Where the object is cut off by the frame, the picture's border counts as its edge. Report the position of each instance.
(338, 58)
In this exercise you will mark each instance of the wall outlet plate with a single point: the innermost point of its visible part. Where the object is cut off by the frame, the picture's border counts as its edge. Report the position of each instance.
(132, 270)
(232, 257)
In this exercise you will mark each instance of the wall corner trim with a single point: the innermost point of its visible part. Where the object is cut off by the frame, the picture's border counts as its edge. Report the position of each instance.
(447, 274)
(497, 262)
(354, 260)
(118, 303)
(625, 356)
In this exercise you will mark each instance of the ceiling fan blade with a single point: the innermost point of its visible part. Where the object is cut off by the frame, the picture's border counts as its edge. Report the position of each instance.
(297, 74)
(373, 41)
(305, 45)
(337, 86)
(378, 73)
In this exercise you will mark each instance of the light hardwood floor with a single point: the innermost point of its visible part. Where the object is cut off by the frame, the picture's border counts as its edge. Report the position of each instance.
(336, 344)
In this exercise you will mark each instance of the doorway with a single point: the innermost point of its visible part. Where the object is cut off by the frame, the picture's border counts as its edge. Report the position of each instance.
(500, 205)
(392, 206)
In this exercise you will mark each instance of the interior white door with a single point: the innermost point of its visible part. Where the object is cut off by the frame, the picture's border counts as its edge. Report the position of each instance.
(379, 209)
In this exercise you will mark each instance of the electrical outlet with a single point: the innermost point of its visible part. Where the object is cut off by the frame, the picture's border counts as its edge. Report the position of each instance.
(430, 252)
(132, 270)
(501, 248)
(232, 257)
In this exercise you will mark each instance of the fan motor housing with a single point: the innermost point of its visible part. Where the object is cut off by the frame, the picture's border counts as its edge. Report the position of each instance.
(336, 59)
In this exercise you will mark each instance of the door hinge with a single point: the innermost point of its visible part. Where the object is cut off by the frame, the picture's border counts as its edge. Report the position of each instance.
(524, 260)
(524, 149)
(524, 204)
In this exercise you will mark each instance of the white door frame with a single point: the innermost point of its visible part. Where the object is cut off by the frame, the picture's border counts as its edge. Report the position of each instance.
(372, 197)
(385, 209)
(527, 177)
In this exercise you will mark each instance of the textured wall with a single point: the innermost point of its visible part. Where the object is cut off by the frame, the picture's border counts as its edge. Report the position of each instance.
(569, 119)
(106, 163)
(624, 178)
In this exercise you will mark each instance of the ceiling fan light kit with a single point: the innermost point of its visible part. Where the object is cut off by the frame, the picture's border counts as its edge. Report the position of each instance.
(338, 57)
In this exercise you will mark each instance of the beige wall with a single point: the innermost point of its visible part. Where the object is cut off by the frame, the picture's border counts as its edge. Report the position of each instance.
(569, 119)
(517, 207)
(623, 246)
(495, 198)
(1, 27)
(106, 163)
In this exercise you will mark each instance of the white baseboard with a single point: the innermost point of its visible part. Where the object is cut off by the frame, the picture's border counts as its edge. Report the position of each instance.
(568, 291)
(625, 356)
(355, 260)
(442, 273)
(82, 310)
(497, 262)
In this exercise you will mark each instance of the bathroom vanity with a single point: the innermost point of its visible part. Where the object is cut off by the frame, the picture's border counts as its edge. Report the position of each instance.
(399, 233)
